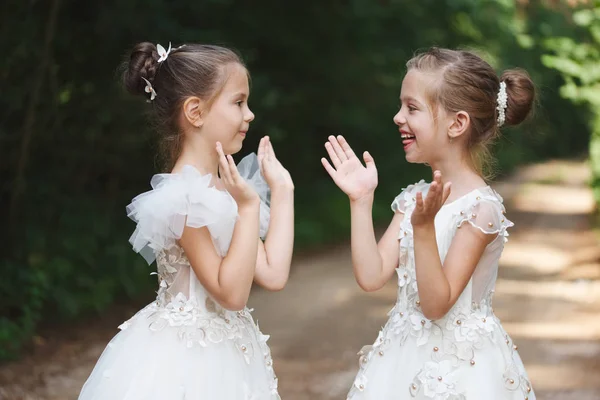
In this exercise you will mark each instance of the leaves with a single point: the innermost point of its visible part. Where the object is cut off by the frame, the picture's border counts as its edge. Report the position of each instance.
(318, 68)
(579, 63)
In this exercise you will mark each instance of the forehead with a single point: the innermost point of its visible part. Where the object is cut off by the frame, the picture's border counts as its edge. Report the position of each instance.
(237, 78)
(417, 84)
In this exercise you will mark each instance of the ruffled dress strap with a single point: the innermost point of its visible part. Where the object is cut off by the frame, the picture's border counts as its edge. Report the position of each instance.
(486, 212)
(406, 199)
(188, 198)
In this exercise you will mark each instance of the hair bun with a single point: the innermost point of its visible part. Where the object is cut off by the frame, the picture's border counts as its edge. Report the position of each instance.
(520, 91)
(143, 63)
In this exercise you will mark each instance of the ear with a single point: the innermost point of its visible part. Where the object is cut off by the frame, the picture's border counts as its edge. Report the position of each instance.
(192, 110)
(459, 124)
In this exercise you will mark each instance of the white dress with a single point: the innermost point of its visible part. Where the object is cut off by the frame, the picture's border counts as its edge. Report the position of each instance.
(184, 345)
(466, 355)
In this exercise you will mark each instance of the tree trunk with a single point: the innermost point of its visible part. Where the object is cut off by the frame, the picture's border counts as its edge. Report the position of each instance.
(29, 123)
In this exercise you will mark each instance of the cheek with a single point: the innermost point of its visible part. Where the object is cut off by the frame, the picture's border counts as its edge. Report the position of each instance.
(425, 126)
(235, 114)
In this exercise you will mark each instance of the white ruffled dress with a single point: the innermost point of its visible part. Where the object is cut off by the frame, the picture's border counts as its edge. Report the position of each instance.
(184, 345)
(466, 355)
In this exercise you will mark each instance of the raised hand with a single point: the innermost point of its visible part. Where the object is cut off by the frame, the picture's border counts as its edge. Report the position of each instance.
(426, 209)
(238, 188)
(348, 172)
(275, 174)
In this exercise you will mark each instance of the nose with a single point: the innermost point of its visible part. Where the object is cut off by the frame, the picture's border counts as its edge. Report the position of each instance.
(399, 118)
(249, 116)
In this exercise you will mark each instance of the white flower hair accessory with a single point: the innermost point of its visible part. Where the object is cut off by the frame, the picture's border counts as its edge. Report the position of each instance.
(162, 53)
(149, 89)
(502, 101)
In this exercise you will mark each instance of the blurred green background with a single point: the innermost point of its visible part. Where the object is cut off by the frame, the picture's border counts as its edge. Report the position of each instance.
(76, 149)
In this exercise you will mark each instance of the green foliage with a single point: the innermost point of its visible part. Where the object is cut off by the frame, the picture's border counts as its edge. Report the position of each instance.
(318, 68)
(577, 58)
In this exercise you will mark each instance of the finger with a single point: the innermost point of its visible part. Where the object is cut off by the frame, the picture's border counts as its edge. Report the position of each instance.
(432, 190)
(224, 171)
(261, 148)
(438, 179)
(338, 149)
(439, 199)
(332, 155)
(419, 201)
(345, 147)
(261, 166)
(267, 157)
(233, 171)
(266, 148)
(447, 191)
(270, 151)
(432, 195)
(330, 170)
(369, 161)
(223, 165)
(261, 153)
(442, 197)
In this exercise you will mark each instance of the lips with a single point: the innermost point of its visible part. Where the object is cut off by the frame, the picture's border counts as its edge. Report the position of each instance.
(407, 139)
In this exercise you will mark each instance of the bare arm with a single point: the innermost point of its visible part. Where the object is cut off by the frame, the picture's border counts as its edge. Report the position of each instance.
(440, 285)
(374, 263)
(275, 254)
(229, 279)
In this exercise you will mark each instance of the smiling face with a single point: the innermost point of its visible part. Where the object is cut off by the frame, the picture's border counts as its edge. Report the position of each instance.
(424, 133)
(228, 119)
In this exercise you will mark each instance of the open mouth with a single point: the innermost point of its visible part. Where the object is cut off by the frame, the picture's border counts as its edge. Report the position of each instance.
(407, 139)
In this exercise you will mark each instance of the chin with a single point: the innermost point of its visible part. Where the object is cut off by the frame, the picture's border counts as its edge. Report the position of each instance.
(412, 159)
(415, 159)
(234, 148)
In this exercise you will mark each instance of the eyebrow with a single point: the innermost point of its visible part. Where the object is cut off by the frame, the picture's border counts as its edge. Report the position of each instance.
(409, 98)
(241, 94)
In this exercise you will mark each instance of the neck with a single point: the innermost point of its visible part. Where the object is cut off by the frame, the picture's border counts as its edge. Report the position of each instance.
(460, 172)
(200, 155)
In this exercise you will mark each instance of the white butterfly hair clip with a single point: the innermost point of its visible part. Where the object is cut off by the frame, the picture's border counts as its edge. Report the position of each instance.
(149, 89)
(162, 53)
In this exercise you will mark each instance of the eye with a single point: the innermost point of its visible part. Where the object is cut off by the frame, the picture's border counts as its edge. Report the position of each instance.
(239, 102)
(412, 108)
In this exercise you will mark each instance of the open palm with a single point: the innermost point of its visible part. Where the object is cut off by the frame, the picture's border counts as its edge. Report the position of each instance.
(275, 174)
(348, 172)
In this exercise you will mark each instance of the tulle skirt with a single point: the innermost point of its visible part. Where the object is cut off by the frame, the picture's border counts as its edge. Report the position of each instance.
(416, 361)
(172, 361)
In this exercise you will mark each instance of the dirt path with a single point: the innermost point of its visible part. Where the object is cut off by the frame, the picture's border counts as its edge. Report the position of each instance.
(548, 297)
